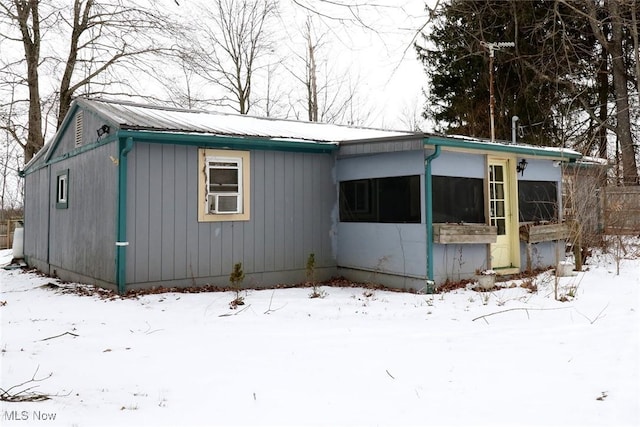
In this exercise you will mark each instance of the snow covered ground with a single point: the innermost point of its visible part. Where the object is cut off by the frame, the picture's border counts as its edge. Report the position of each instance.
(355, 357)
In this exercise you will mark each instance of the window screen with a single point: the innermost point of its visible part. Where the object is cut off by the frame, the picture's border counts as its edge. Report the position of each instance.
(224, 186)
(389, 200)
(458, 199)
(538, 200)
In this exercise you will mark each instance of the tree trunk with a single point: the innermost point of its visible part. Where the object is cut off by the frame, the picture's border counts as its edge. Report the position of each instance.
(623, 119)
(603, 98)
(312, 85)
(31, 42)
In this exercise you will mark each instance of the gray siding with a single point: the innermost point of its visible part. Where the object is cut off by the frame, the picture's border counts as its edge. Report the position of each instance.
(66, 138)
(292, 198)
(76, 243)
(373, 147)
(382, 249)
(36, 218)
(82, 237)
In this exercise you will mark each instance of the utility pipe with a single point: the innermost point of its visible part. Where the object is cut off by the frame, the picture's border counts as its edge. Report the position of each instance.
(514, 119)
(121, 243)
(428, 197)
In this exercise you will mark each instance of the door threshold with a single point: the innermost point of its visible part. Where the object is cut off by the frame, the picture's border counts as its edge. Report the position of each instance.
(506, 270)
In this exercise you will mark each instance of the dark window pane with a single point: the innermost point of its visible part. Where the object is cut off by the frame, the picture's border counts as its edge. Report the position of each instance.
(538, 200)
(223, 176)
(457, 199)
(389, 200)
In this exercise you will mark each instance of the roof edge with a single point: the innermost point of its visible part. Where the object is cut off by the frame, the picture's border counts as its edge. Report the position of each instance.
(528, 150)
(224, 141)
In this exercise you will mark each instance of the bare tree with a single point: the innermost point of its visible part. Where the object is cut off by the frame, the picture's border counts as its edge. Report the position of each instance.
(311, 81)
(235, 39)
(614, 45)
(26, 16)
(98, 37)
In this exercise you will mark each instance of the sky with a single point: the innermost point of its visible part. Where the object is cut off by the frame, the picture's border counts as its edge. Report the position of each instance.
(370, 48)
(384, 58)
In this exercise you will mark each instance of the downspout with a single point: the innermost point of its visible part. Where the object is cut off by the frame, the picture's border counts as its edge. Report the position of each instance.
(121, 238)
(428, 197)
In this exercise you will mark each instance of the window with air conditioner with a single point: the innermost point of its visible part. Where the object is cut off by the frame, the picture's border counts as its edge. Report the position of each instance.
(224, 179)
(224, 185)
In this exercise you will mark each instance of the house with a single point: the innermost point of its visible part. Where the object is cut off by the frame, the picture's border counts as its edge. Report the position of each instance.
(130, 196)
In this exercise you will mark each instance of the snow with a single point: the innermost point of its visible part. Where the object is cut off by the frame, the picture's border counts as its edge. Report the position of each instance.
(355, 357)
(150, 117)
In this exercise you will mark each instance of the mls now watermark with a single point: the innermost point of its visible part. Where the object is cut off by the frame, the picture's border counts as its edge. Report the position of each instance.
(28, 416)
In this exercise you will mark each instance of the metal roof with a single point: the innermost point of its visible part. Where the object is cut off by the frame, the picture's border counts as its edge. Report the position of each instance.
(134, 116)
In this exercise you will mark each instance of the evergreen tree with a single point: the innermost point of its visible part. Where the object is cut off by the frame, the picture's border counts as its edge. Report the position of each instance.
(549, 76)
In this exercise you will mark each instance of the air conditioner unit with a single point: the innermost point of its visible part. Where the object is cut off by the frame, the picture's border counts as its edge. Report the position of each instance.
(223, 203)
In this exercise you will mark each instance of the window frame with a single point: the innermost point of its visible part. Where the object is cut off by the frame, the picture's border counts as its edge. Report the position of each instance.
(545, 205)
(473, 211)
(62, 189)
(368, 200)
(242, 159)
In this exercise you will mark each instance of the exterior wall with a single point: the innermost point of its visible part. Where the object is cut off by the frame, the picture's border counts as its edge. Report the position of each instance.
(364, 148)
(76, 243)
(66, 138)
(544, 170)
(543, 254)
(391, 254)
(455, 262)
(293, 201)
(36, 219)
(82, 237)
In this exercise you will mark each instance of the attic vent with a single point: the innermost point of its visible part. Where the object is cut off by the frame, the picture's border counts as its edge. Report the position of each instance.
(78, 136)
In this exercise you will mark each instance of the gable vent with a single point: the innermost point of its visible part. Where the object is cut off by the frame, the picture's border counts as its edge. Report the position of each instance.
(78, 136)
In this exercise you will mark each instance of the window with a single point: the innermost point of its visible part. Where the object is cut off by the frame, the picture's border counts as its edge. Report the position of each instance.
(538, 201)
(457, 199)
(224, 185)
(224, 195)
(388, 200)
(62, 189)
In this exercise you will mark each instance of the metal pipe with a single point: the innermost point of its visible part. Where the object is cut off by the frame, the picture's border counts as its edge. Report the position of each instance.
(514, 119)
(121, 243)
(428, 196)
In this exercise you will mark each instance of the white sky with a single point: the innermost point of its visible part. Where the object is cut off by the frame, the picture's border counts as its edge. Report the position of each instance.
(376, 55)
(381, 58)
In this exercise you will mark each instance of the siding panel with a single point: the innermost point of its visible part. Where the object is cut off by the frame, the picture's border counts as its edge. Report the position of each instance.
(287, 192)
(83, 235)
(155, 212)
(258, 178)
(278, 210)
(269, 207)
(180, 252)
(168, 197)
(140, 215)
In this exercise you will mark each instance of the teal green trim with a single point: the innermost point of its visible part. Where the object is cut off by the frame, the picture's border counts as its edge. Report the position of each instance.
(428, 197)
(523, 150)
(124, 148)
(62, 189)
(70, 117)
(70, 154)
(231, 142)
